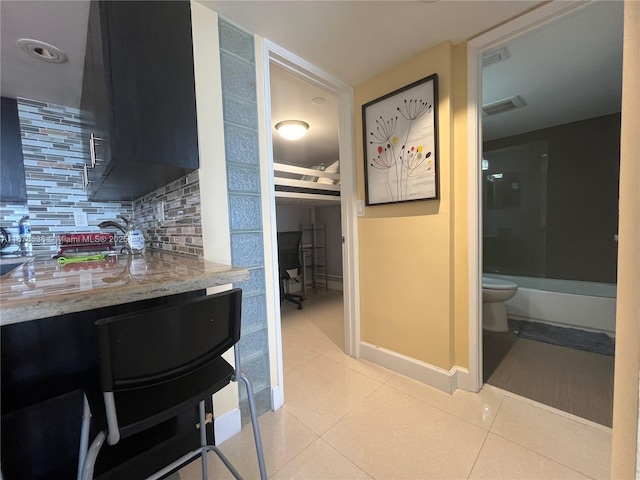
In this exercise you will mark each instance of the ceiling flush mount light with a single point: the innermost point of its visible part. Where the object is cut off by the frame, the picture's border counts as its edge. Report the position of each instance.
(42, 51)
(292, 129)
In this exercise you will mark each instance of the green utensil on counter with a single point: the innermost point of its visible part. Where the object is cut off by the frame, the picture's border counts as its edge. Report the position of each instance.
(85, 258)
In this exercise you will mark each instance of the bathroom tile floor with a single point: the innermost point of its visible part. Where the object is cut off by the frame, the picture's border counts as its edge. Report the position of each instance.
(345, 418)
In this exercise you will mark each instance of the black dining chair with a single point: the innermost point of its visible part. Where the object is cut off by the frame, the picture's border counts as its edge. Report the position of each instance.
(158, 363)
(289, 264)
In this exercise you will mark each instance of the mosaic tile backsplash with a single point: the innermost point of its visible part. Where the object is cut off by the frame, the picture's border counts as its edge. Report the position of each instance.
(54, 158)
(53, 161)
(181, 229)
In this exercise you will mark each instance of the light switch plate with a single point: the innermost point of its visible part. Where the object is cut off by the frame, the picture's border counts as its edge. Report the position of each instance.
(360, 208)
(81, 219)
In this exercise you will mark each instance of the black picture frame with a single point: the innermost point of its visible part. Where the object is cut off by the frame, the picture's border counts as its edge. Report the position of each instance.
(400, 134)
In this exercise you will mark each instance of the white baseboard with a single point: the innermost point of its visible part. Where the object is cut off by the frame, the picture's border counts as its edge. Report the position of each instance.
(446, 380)
(227, 425)
(277, 399)
(463, 379)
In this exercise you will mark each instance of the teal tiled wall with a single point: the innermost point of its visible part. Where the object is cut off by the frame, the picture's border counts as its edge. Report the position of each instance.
(240, 109)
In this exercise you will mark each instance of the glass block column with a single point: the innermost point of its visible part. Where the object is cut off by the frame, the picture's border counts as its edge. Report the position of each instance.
(240, 110)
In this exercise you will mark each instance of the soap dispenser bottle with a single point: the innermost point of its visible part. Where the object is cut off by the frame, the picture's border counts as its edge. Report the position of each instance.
(24, 231)
(134, 237)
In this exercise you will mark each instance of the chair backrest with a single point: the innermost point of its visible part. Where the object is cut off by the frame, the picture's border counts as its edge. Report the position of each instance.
(161, 344)
(289, 252)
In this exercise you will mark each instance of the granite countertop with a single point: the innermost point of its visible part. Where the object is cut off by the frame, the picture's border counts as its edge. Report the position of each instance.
(40, 288)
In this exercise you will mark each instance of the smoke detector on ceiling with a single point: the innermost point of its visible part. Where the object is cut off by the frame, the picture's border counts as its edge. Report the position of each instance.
(502, 106)
(42, 51)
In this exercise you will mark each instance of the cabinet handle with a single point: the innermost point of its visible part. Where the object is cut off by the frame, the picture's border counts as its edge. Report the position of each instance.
(85, 177)
(92, 149)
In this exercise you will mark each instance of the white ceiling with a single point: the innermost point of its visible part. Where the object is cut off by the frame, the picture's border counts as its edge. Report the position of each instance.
(569, 71)
(291, 99)
(565, 71)
(59, 23)
(356, 40)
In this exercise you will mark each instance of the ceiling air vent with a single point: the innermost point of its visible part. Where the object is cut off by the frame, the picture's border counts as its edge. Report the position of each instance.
(495, 56)
(504, 105)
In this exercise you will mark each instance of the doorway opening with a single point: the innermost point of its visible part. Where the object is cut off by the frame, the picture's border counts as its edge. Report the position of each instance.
(276, 57)
(307, 198)
(537, 161)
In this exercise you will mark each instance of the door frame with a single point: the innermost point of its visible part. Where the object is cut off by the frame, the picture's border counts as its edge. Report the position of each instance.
(493, 39)
(271, 52)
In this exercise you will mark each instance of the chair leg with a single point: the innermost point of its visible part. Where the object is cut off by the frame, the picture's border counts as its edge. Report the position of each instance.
(297, 299)
(203, 440)
(201, 451)
(84, 434)
(256, 427)
(225, 460)
(186, 458)
(252, 410)
(92, 456)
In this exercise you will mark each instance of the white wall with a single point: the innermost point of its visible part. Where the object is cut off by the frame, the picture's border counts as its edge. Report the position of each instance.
(290, 217)
(330, 217)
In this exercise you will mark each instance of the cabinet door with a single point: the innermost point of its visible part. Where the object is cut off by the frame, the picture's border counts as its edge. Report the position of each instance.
(152, 83)
(95, 102)
(14, 188)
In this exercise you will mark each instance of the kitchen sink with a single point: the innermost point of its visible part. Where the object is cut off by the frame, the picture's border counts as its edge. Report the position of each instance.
(8, 267)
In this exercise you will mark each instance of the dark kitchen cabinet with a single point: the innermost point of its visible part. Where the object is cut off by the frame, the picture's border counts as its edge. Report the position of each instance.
(138, 97)
(13, 185)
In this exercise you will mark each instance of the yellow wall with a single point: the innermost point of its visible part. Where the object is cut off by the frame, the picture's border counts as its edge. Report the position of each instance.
(413, 256)
(460, 209)
(625, 449)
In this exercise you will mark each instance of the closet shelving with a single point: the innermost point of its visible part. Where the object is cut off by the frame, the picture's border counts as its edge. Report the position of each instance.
(314, 257)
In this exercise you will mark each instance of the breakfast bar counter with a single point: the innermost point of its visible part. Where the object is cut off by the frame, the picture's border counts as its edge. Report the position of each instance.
(49, 347)
(40, 288)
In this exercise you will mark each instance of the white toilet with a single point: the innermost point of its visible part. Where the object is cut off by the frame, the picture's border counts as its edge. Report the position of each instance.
(494, 293)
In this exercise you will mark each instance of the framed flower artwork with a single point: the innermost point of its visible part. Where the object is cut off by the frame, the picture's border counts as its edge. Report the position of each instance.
(401, 144)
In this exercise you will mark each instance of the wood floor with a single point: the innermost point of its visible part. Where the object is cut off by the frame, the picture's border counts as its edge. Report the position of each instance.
(575, 381)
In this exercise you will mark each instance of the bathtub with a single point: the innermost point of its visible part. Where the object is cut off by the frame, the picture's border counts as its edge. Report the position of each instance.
(586, 305)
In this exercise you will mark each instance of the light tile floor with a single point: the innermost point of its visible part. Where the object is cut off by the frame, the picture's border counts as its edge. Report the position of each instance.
(345, 418)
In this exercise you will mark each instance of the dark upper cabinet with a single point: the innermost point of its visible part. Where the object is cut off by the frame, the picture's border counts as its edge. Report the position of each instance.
(13, 184)
(138, 97)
